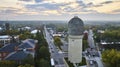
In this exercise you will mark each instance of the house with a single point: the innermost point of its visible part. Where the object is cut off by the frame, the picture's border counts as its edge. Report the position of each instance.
(27, 28)
(7, 49)
(101, 31)
(1, 28)
(34, 32)
(110, 45)
(28, 44)
(5, 39)
(58, 35)
(17, 56)
(27, 47)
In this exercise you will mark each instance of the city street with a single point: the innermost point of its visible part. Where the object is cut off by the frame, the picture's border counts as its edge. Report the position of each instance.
(92, 54)
(58, 57)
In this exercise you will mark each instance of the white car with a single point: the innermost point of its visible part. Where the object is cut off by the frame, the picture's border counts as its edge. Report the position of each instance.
(91, 62)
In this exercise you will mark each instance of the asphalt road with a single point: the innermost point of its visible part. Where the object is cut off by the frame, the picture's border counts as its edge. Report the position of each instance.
(90, 39)
(58, 57)
(93, 54)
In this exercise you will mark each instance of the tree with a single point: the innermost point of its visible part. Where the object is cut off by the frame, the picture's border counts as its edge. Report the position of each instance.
(111, 35)
(40, 37)
(44, 63)
(6, 63)
(44, 52)
(42, 55)
(61, 29)
(85, 44)
(22, 37)
(111, 58)
(57, 42)
(97, 37)
(11, 32)
(29, 60)
(25, 35)
(26, 65)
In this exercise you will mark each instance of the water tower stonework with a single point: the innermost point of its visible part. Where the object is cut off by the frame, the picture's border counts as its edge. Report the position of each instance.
(75, 29)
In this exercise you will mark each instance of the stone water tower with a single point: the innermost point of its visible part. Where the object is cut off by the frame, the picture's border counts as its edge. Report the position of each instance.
(75, 29)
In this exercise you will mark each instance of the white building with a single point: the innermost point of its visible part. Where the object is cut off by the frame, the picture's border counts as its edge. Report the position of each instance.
(57, 35)
(75, 29)
(1, 28)
(27, 28)
(35, 31)
(5, 39)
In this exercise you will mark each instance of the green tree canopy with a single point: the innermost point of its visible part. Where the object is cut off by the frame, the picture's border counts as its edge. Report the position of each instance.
(26, 65)
(42, 55)
(111, 58)
(85, 44)
(57, 42)
(111, 35)
(6, 63)
(25, 35)
(44, 52)
(29, 60)
(44, 63)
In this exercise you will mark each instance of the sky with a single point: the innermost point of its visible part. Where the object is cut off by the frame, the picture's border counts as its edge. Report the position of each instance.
(105, 10)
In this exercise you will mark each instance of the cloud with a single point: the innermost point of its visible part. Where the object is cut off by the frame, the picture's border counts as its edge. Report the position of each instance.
(98, 5)
(60, 1)
(59, 7)
(26, 0)
(6, 11)
(107, 2)
(116, 11)
(107, 8)
(16, 11)
(71, 7)
(42, 7)
(38, 1)
(9, 3)
(9, 9)
(93, 5)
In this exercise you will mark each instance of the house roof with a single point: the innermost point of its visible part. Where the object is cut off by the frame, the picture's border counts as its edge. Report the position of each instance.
(19, 55)
(0, 28)
(25, 45)
(4, 37)
(57, 35)
(9, 47)
(23, 53)
(35, 31)
(28, 43)
(32, 41)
